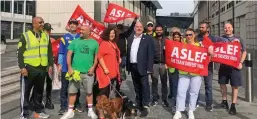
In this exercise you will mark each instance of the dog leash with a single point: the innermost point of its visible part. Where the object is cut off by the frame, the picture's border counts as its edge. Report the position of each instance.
(114, 88)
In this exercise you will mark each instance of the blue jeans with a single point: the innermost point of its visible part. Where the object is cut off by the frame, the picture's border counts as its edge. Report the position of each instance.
(173, 81)
(188, 84)
(208, 88)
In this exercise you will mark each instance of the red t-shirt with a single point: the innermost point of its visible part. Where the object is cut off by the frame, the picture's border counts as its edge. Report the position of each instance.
(55, 48)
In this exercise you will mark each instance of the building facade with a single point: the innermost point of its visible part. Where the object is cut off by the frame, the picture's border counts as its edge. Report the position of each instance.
(58, 13)
(16, 17)
(241, 14)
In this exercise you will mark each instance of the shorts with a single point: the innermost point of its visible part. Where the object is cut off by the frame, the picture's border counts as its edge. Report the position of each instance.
(110, 90)
(228, 73)
(86, 83)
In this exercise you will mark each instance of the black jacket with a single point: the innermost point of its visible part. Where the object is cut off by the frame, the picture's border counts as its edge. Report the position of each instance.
(159, 50)
(121, 43)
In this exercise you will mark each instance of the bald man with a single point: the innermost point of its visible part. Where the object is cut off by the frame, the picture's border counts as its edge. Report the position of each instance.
(34, 56)
(140, 57)
(231, 74)
(84, 51)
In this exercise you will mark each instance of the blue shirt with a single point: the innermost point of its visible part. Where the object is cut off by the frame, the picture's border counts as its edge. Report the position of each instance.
(63, 49)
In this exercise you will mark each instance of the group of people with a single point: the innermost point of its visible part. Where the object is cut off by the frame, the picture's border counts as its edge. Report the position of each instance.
(83, 62)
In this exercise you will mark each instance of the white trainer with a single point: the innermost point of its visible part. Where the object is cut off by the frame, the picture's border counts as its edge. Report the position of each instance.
(177, 115)
(191, 115)
(92, 115)
(68, 115)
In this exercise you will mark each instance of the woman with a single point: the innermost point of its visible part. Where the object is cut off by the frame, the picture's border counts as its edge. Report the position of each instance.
(108, 68)
(173, 75)
(188, 82)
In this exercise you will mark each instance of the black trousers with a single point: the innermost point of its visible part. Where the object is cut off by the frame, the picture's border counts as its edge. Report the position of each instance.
(48, 87)
(36, 78)
(142, 87)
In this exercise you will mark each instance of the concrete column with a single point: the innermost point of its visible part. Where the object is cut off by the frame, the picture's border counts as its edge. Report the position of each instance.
(11, 29)
(12, 8)
(24, 15)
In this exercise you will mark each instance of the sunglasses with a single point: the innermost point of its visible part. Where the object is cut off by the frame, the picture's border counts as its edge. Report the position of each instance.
(41, 22)
(150, 25)
(189, 34)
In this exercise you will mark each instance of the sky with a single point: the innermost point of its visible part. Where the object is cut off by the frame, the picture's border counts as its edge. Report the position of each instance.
(183, 6)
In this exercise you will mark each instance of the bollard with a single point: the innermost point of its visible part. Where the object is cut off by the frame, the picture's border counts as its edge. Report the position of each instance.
(249, 78)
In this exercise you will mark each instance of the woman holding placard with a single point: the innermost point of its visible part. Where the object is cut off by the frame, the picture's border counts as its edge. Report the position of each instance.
(188, 82)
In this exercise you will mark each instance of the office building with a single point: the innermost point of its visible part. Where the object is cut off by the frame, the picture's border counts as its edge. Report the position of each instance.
(16, 17)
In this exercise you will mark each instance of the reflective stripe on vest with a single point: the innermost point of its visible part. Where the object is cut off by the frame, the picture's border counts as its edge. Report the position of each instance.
(36, 50)
(183, 72)
(171, 70)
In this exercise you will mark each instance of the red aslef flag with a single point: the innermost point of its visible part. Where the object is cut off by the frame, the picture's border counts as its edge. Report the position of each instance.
(207, 42)
(96, 29)
(116, 13)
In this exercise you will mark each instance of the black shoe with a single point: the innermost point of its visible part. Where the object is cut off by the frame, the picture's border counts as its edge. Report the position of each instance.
(165, 103)
(62, 111)
(79, 109)
(49, 104)
(154, 102)
(173, 109)
(208, 107)
(232, 109)
(145, 111)
(223, 104)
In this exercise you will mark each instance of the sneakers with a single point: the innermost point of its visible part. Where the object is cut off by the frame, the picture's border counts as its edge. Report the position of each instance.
(232, 109)
(191, 115)
(145, 111)
(165, 103)
(62, 111)
(49, 104)
(79, 109)
(41, 115)
(68, 115)
(177, 115)
(223, 104)
(92, 115)
(208, 107)
(154, 103)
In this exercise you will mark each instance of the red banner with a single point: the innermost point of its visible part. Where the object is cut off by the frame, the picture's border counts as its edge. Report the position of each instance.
(116, 13)
(227, 53)
(188, 58)
(84, 19)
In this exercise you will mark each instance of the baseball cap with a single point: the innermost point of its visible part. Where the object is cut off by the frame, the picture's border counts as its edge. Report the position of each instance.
(48, 27)
(149, 23)
(74, 21)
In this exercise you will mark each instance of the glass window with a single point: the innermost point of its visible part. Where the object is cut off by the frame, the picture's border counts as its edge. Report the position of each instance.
(20, 7)
(29, 8)
(6, 6)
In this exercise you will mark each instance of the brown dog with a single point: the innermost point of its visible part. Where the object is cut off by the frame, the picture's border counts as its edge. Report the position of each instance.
(111, 107)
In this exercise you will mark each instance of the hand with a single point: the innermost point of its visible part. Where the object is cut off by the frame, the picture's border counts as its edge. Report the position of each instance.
(240, 66)
(120, 60)
(210, 50)
(24, 72)
(135, 18)
(70, 71)
(166, 67)
(106, 71)
(236, 40)
(91, 71)
(59, 68)
(148, 72)
(50, 69)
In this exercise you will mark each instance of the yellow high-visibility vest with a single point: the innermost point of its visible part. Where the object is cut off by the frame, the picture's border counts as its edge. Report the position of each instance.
(36, 50)
(183, 72)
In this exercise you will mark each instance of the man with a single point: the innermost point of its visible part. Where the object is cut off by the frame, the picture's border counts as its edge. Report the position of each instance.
(84, 51)
(204, 31)
(231, 74)
(149, 29)
(34, 56)
(140, 63)
(49, 104)
(122, 45)
(159, 68)
(62, 66)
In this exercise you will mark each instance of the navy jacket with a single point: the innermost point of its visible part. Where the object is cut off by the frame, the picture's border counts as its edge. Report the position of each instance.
(145, 54)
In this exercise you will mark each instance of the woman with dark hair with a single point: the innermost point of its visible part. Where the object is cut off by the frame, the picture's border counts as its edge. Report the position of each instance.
(107, 71)
(173, 75)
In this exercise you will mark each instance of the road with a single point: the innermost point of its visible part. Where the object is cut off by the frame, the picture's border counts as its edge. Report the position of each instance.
(10, 104)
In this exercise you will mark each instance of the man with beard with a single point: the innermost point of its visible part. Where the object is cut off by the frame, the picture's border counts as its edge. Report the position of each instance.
(62, 66)
(204, 31)
(159, 68)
